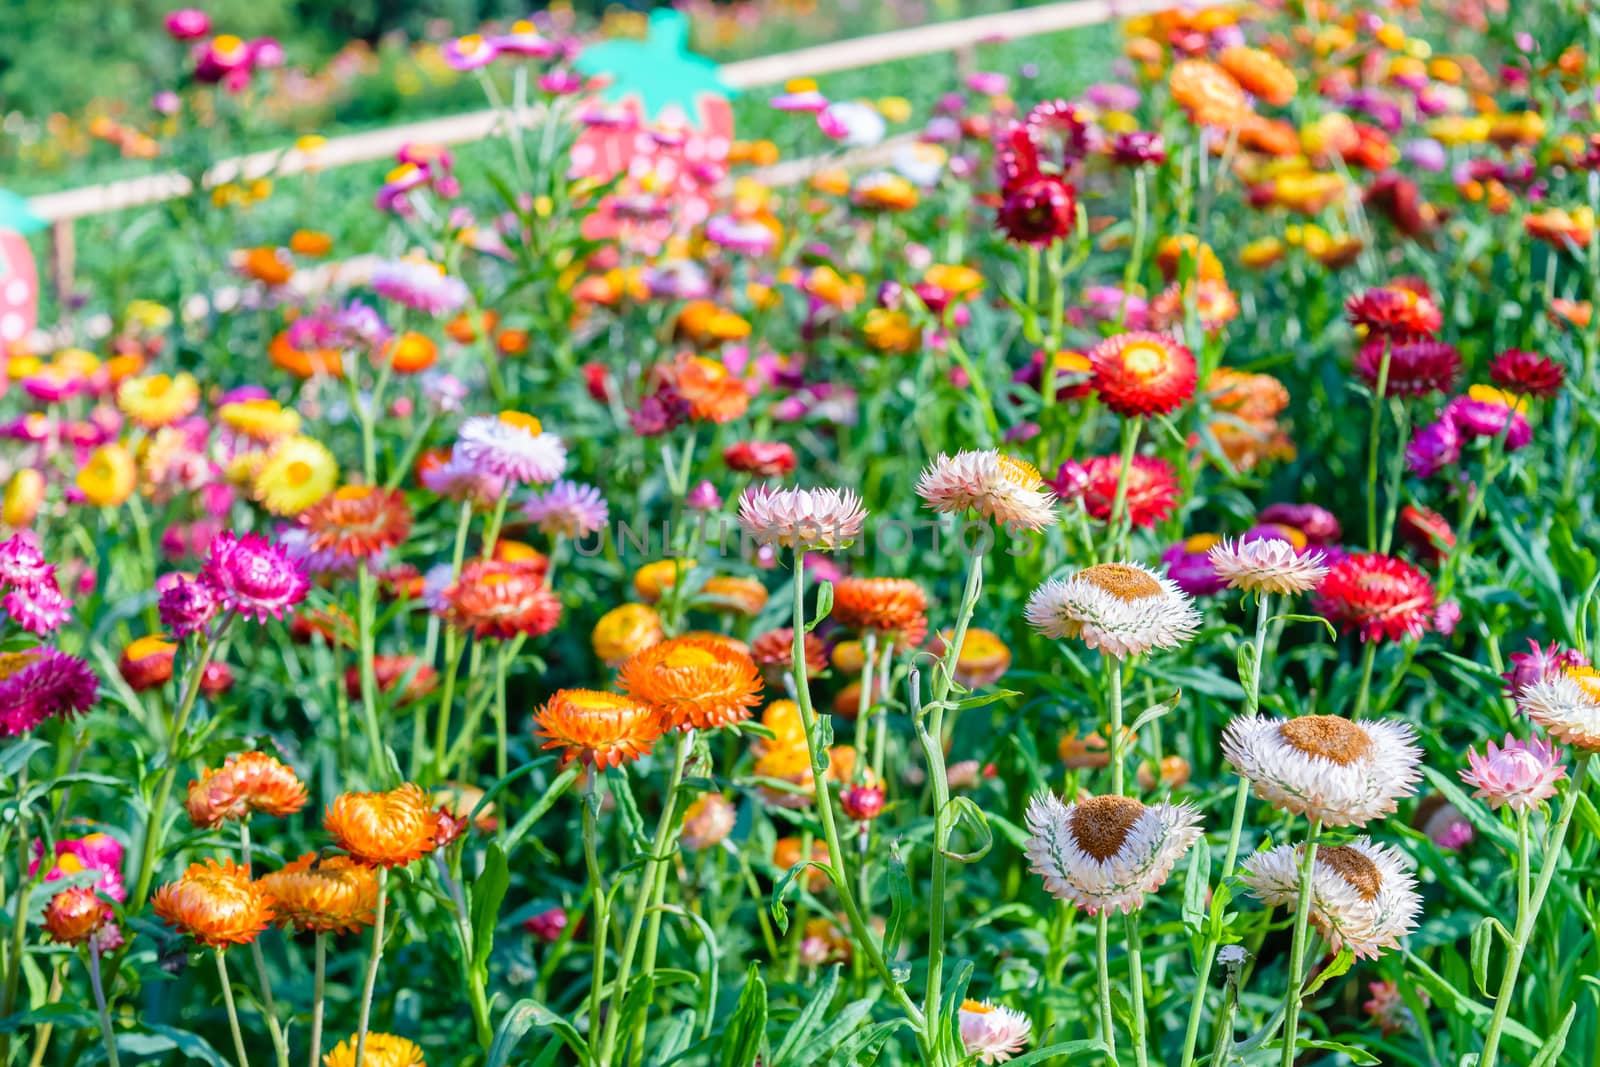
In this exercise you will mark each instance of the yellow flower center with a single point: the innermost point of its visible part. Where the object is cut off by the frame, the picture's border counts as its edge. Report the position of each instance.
(1588, 678)
(689, 656)
(1144, 360)
(1020, 473)
(1201, 543)
(352, 492)
(522, 421)
(297, 473)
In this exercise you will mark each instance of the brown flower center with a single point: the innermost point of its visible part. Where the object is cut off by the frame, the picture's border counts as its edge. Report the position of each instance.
(1122, 581)
(1360, 873)
(1334, 739)
(1101, 824)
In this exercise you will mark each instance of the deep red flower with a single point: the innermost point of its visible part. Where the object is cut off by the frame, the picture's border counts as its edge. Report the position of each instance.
(1038, 210)
(1529, 373)
(764, 459)
(1143, 373)
(1380, 597)
(1416, 368)
(1152, 488)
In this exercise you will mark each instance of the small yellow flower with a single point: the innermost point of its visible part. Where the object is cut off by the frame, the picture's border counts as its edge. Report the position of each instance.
(260, 420)
(296, 474)
(109, 477)
(23, 497)
(157, 400)
(654, 579)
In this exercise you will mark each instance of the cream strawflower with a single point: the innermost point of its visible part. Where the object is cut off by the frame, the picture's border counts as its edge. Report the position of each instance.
(998, 487)
(1266, 565)
(801, 518)
(990, 1033)
(1361, 894)
(1567, 705)
(1106, 853)
(1328, 768)
(1123, 609)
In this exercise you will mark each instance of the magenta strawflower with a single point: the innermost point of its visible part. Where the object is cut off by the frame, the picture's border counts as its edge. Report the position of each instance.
(41, 684)
(22, 564)
(1541, 664)
(253, 576)
(568, 509)
(1530, 373)
(40, 609)
(186, 604)
(1522, 774)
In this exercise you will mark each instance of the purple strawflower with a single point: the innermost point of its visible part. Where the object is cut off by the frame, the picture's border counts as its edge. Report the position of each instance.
(459, 480)
(678, 279)
(512, 446)
(41, 684)
(1538, 665)
(186, 604)
(421, 286)
(1189, 564)
(1433, 448)
(1070, 482)
(568, 509)
(359, 324)
(253, 576)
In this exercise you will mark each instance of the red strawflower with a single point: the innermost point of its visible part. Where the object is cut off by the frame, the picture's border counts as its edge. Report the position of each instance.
(1416, 368)
(1395, 312)
(1152, 488)
(1381, 597)
(1427, 531)
(1143, 373)
(1528, 373)
(764, 459)
(497, 598)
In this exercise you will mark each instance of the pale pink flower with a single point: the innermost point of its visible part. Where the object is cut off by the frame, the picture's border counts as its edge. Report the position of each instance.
(1522, 774)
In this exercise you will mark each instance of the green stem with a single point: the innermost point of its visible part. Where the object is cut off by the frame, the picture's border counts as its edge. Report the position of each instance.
(1528, 909)
(1297, 952)
(1136, 984)
(597, 973)
(1116, 523)
(1108, 1023)
(1369, 653)
(318, 992)
(672, 817)
(382, 769)
(233, 1012)
(1374, 436)
(1113, 667)
(107, 1034)
(370, 984)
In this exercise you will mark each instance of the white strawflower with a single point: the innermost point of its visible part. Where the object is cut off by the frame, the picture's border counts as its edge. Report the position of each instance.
(512, 445)
(801, 518)
(1123, 609)
(1361, 894)
(1328, 768)
(998, 487)
(992, 1034)
(1567, 705)
(1266, 565)
(1106, 853)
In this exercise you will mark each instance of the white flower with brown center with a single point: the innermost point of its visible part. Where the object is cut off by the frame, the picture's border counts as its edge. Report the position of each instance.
(1266, 565)
(801, 518)
(1106, 853)
(991, 1033)
(1339, 772)
(1361, 894)
(1123, 609)
(1567, 705)
(996, 486)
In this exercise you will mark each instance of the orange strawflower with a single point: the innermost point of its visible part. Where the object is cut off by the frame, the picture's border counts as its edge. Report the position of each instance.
(330, 895)
(357, 521)
(495, 598)
(741, 596)
(245, 783)
(624, 630)
(384, 829)
(600, 729)
(74, 915)
(895, 607)
(304, 362)
(1208, 93)
(1260, 73)
(714, 394)
(694, 682)
(409, 353)
(216, 904)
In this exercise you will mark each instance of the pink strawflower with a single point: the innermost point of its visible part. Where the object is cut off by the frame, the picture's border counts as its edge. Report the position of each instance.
(422, 286)
(511, 446)
(97, 852)
(40, 684)
(253, 576)
(1522, 774)
(38, 610)
(460, 480)
(187, 24)
(22, 564)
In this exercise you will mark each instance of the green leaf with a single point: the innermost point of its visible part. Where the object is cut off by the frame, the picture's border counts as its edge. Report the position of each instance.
(193, 1046)
(865, 1042)
(900, 904)
(1555, 1043)
(1333, 635)
(780, 911)
(819, 1002)
(968, 812)
(523, 1016)
(65, 1015)
(824, 605)
(847, 1022)
(488, 891)
(1359, 1056)
(746, 1031)
(552, 793)
(1155, 711)
(1196, 880)
(1047, 1054)
(1482, 945)
(1341, 963)
(713, 953)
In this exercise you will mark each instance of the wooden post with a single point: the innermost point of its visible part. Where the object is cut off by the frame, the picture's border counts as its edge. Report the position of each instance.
(63, 257)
